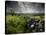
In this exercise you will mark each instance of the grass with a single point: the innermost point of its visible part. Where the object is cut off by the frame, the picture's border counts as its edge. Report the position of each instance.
(16, 24)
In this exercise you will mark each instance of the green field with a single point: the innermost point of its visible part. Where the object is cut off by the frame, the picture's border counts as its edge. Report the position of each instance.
(16, 23)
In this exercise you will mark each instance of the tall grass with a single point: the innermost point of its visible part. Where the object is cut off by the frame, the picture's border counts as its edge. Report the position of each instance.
(16, 24)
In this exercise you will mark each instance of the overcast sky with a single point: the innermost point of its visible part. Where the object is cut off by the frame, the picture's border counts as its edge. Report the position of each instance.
(25, 7)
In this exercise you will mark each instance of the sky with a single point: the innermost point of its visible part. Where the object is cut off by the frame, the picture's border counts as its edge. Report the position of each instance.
(25, 7)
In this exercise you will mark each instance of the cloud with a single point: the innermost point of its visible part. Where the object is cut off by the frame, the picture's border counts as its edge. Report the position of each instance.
(25, 7)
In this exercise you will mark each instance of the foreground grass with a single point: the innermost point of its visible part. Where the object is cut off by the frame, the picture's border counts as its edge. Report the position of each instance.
(16, 24)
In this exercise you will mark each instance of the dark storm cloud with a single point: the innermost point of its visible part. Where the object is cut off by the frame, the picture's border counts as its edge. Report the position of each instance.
(25, 7)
